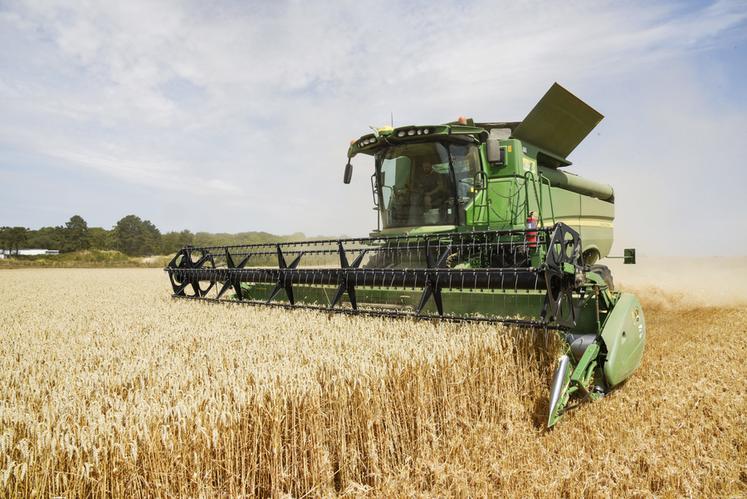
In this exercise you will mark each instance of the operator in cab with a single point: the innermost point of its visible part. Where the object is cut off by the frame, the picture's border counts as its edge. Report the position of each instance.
(433, 186)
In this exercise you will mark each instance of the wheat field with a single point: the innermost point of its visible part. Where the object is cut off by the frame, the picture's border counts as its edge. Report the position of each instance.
(108, 387)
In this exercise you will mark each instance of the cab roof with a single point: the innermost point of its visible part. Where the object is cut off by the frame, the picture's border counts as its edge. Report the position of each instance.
(556, 125)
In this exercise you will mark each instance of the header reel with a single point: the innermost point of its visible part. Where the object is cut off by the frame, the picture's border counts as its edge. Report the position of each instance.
(489, 261)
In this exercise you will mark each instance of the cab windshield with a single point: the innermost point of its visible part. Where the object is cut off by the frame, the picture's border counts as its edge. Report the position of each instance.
(425, 183)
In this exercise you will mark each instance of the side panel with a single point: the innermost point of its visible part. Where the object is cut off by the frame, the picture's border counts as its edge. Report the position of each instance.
(624, 334)
(513, 189)
(596, 225)
(590, 216)
(566, 208)
(501, 204)
(505, 207)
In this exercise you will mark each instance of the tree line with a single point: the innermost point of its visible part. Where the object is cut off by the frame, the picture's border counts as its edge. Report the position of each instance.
(131, 235)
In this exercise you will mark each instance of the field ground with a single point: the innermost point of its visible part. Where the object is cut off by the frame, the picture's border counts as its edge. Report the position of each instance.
(110, 387)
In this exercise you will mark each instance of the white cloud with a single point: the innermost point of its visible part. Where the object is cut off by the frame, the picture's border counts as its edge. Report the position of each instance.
(255, 105)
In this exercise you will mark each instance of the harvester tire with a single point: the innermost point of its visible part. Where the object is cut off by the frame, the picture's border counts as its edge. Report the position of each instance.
(590, 257)
(605, 273)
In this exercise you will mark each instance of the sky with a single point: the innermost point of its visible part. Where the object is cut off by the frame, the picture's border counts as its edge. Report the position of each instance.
(236, 116)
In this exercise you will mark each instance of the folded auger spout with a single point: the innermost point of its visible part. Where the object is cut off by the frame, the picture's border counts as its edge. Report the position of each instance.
(529, 279)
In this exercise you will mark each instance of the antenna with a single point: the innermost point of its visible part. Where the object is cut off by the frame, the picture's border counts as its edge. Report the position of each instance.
(392, 118)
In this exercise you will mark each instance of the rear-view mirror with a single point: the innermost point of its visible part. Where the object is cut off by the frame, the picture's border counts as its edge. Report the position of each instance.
(629, 255)
(348, 173)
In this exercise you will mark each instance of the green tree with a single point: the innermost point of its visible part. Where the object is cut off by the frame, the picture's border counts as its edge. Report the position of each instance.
(76, 234)
(101, 239)
(5, 238)
(171, 242)
(13, 238)
(47, 237)
(137, 237)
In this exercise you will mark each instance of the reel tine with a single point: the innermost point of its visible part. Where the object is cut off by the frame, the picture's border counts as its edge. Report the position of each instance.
(206, 291)
(238, 290)
(438, 300)
(289, 293)
(242, 263)
(352, 297)
(296, 261)
(204, 258)
(357, 262)
(275, 291)
(223, 289)
(337, 297)
(180, 289)
(427, 292)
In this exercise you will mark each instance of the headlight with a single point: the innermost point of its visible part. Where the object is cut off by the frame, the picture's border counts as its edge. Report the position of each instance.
(401, 133)
(426, 131)
(411, 132)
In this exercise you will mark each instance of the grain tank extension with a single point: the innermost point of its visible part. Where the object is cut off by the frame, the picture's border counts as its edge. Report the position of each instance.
(477, 221)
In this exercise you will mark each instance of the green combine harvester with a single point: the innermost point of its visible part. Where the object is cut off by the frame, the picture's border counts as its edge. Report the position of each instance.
(476, 222)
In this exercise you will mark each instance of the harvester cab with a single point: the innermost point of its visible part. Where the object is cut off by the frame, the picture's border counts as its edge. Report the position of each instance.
(482, 176)
(476, 222)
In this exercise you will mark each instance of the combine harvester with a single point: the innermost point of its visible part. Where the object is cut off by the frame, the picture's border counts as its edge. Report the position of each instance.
(476, 222)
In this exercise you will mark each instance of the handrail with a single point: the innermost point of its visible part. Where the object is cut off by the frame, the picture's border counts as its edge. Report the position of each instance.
(549, 190)
(541, 179)
(537, 197)
(484, 181)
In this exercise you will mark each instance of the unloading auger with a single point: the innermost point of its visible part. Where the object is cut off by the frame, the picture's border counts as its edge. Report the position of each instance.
(476, 223)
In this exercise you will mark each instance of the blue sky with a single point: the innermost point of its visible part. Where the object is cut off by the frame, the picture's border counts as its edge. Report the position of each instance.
(236, 116)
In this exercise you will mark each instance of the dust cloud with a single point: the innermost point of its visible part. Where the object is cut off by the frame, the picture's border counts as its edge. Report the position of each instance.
(687, 282)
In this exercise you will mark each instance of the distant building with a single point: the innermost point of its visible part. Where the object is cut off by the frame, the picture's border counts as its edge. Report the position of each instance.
(28, 252)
